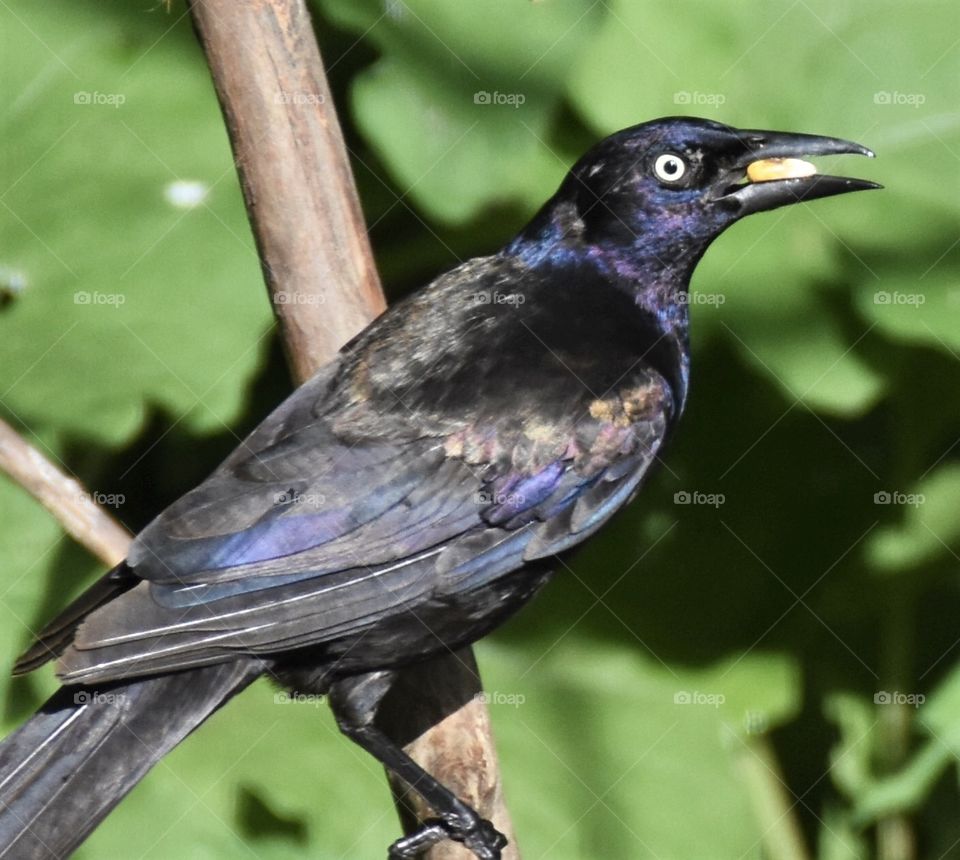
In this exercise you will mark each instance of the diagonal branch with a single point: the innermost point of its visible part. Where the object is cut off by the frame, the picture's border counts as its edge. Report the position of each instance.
(75, 509)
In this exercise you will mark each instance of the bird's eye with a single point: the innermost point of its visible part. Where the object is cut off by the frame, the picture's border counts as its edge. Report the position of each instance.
(669, 167)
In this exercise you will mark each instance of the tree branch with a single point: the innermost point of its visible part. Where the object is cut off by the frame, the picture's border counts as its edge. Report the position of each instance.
(319, 269)
(73, 507)
(295, 174)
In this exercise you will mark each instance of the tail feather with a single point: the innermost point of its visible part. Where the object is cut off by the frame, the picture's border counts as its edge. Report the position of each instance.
(51, 641)
(79, 755)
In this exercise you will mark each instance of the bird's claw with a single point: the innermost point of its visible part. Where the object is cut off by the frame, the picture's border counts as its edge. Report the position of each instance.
(474, 832)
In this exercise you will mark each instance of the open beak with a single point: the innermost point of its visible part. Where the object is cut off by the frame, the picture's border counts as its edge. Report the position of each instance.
(767, 170)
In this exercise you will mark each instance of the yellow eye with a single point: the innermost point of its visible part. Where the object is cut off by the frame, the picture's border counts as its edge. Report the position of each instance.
(669, 167)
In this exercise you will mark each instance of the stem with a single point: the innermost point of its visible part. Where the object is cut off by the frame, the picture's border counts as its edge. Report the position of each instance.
(895, 834)
(773, 807)
(896, 839)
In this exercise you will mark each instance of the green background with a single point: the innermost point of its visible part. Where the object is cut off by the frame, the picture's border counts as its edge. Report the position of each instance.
(825, 371)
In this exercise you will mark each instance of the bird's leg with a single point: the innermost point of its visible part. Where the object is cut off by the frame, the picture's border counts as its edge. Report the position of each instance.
(355, 702)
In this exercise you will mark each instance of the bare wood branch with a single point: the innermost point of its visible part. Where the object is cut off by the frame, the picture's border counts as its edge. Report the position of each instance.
(64, 497)
(295, 174)
(319, 269)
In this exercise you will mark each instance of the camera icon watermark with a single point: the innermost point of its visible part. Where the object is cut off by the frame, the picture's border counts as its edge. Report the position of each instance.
(883, 297)
(494, 697)
(695, 497)
(895, 98)
(292, 697)
(84, 97)
(696, 697)
(885, 697)
(84, 297)
(488, 497)
(698, 298)
(107, 500)
(495, 297)
(292, 497)
(287, 297)
(685, 97)
(895, 497)
(514, 100)
(96, 697)
(298, 98)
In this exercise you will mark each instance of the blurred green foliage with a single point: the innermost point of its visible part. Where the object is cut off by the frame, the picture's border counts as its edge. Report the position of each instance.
(810, 611)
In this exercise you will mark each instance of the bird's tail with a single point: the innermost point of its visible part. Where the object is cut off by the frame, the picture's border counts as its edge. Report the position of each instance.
(76, 758)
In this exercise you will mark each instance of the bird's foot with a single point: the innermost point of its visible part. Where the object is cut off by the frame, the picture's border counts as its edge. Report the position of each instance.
(476, 833)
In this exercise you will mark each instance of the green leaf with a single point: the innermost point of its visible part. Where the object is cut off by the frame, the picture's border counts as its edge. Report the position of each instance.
(928, 529)
(851, 767)
(460, 104)
(661, 749)
(777, 322)
(915, 309)
(126, 298)
(839, 837)
(939, 716)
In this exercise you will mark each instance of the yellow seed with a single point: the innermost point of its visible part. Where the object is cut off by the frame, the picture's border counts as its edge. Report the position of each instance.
(779, 168)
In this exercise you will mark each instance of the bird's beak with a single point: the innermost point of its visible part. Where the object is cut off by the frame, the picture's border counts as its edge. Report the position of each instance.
(766, 170)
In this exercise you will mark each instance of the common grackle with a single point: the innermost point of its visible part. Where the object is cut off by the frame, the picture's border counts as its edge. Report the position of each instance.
(412, 494)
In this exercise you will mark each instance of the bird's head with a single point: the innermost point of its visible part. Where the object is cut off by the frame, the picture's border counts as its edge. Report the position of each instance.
(652, 197)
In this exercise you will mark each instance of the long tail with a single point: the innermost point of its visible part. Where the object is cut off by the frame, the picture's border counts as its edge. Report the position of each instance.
(76, 758)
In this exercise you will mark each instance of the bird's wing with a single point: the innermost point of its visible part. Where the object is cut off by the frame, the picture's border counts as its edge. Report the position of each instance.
(304, 536)
(311, 539)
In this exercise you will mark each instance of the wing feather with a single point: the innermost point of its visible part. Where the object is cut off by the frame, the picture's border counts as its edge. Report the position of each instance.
(303, 537)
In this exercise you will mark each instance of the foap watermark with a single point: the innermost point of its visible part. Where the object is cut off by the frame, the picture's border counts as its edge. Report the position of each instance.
(698, 298)
(483, 97)
(893, 97)
(487, 497)
(895, 697)
(286, 297)
(698, 697)
(883, 297)
(292, 497)
(497, 298)
(292, 697)
(695, 497)
(84, 97)
(96, 697)
(299, 98)
(495, 697)
(685, 97)
(84, 297)
(895, 497)
(106, 500)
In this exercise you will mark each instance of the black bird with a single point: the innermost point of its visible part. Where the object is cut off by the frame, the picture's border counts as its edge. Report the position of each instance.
(413, 493)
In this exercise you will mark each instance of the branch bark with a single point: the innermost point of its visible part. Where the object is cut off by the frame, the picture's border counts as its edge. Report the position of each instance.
(75, 509)
(295, 174)
(323, 284)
